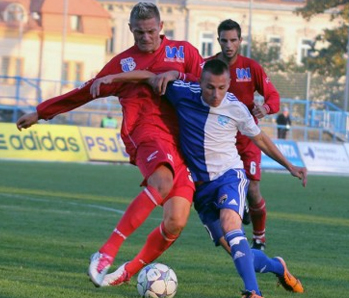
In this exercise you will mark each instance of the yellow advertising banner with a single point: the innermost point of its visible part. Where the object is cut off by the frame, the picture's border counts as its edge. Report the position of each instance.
(104, 144)
(42, 142)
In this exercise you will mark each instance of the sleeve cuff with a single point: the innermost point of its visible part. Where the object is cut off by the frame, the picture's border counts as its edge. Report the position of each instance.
(267, 108)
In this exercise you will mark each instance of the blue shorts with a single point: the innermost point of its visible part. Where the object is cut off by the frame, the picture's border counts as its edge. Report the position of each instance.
(226, 192)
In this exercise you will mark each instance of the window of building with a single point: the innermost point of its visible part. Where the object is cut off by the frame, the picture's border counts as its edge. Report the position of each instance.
(304, 49)
(75, 23)
(5, 66)
(78, 73)
(11, 67)
(110, 46)
(206, 42)
(15, 13)
(274, 48)
(72, 73)
(244, 46)
(18, 67)
(65, 72)
(169, 33)
(169, 29)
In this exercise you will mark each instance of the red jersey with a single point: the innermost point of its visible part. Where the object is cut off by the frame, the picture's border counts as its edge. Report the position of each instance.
(145, 116)
(247, 76)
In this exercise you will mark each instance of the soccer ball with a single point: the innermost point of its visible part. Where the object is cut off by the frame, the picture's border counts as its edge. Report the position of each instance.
(157, 281)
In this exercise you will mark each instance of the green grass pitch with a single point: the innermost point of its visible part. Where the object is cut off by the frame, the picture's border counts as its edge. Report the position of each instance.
(53, 216)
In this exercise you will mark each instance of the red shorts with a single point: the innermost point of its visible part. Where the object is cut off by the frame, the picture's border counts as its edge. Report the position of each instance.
(251, 156)
(151, 155)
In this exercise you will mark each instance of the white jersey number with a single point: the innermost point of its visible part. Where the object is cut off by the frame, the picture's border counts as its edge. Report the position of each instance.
(253, 168)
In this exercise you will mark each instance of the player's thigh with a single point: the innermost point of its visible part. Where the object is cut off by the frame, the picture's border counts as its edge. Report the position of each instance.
(231, 189)
(231, 197)
(161, 179)
(157, 165)
(183, 185)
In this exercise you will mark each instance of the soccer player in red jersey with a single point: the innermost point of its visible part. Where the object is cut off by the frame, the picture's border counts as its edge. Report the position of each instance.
(247, 77)
(149, 131)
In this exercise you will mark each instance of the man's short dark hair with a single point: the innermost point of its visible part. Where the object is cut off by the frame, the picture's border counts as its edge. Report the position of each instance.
(229, 25)
(144, 11)
(215, 67)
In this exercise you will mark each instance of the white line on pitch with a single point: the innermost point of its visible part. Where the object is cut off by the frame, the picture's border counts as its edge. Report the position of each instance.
(70, 203)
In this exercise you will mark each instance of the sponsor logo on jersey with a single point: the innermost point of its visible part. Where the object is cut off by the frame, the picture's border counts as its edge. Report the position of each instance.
(223, 120)
(222, 199)
(128, 64)
(243, 75)
(152, 156)
(174, 54)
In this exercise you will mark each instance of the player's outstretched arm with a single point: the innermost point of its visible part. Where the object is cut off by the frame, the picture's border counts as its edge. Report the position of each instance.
(267, 146)
(130, 77)
(27, 120)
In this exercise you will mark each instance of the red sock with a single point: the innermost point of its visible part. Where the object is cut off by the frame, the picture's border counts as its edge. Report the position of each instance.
(136, 213)
(157, 242)
(258, 214)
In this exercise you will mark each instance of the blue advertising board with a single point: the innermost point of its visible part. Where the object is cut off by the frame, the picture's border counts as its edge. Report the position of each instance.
(289, 149)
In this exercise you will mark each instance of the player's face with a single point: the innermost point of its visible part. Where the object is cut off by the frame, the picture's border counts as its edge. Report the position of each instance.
(214, 87)
(230, 43)
(146, 34)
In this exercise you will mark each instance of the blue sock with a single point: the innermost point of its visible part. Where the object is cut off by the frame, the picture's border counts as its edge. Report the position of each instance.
(243, 259)
(264, 264)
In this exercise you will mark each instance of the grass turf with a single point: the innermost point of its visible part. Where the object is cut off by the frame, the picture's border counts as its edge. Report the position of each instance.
(53, 216)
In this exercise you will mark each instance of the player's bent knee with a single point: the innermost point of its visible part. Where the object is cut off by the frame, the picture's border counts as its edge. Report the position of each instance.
(175, 225)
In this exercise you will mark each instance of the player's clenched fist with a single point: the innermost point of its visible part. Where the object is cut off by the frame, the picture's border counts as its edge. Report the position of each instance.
(27, 120)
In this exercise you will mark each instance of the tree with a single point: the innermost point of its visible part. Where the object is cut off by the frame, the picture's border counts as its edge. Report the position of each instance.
(289, 78)
(269, 58)
(329, 48)
(314, 7)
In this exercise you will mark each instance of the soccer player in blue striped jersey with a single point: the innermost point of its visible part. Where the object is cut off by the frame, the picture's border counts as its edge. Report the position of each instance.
(209, 118)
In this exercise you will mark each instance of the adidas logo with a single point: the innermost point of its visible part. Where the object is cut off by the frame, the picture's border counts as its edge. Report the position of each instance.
(238, 255)
(233, 202)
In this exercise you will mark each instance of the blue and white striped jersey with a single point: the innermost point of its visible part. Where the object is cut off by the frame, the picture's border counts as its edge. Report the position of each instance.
(207, 134)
